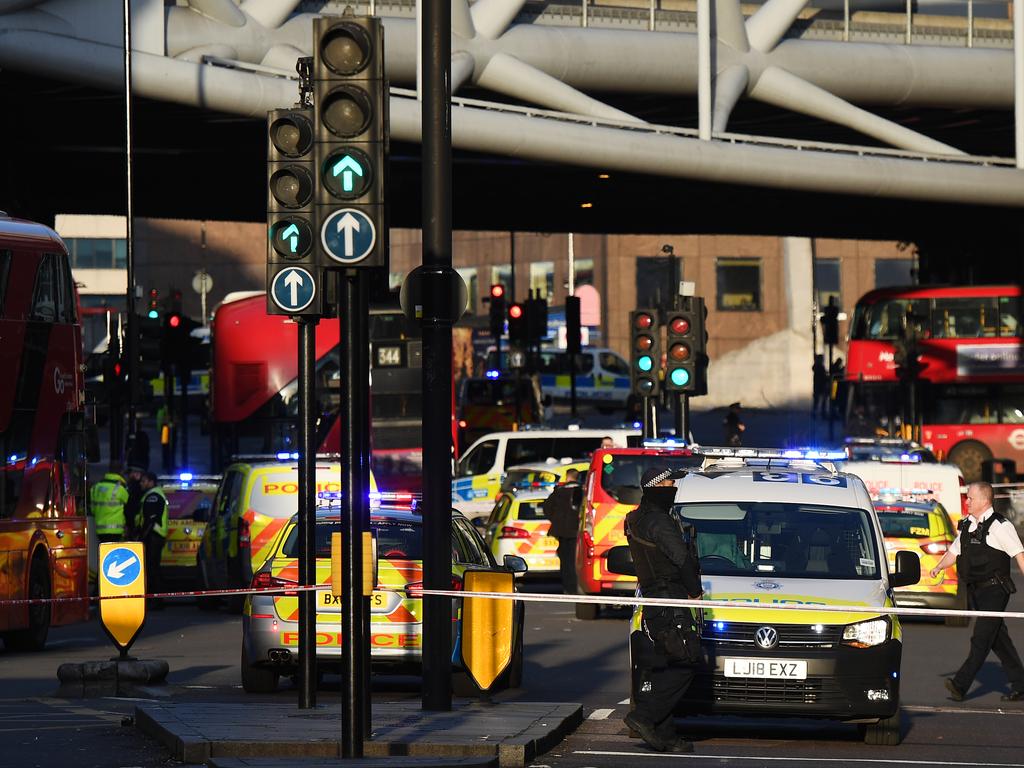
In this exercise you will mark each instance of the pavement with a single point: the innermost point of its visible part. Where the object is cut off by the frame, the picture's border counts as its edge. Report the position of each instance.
(271, 735)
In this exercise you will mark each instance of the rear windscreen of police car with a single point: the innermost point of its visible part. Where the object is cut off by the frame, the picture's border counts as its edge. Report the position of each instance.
(396, 539)
(785, 540)
(621, 475)
(905, 523)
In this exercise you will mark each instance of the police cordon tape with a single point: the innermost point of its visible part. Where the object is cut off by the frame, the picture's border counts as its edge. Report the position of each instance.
(525, 597)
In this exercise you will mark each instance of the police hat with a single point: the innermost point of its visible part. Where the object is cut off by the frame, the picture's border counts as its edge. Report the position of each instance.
(651, 477)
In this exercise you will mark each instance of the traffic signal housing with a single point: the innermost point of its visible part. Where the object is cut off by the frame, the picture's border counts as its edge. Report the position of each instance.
(645, 354)
(830, 322)
(680, 353)
(351, 133)
(517, 330)
(497, 310)
(572, 325)
(536, 319)
(154, 304)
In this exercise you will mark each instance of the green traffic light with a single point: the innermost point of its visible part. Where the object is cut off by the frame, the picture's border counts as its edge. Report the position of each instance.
(680, 377)
(154, 314)
(645, 363)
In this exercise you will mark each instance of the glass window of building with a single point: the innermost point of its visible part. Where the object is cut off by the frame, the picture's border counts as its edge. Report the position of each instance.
(96, 252)
(120, 254)
(657, 280)
(738, 283)
(542, 278)
(827, 281)
(890, 272)
(469, 277)
(584, 272)
(502, 275)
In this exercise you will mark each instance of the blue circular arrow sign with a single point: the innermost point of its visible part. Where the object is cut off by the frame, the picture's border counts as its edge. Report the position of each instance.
(293, 289)
(121, 567)
(348, 235)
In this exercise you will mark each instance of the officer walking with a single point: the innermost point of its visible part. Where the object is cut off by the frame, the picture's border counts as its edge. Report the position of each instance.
(106, 502)
(151, 530)
(666, 566)
(983, 551)
(562, 509)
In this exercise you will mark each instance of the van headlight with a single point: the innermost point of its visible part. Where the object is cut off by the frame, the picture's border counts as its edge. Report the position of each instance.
(865, 634)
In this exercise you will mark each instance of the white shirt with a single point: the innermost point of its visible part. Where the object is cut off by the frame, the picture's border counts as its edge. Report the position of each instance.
(1002, 535)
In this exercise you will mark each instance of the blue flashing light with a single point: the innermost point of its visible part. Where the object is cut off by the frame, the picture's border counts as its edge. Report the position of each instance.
(895, 675)
(329, 495)
(645, 363)
(13, 457)
(637, 425)
(719, 626)
(493, 374)
(285, 455)
(680, 377)
(186, 477)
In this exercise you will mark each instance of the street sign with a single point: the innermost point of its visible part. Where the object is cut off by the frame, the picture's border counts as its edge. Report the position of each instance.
(202, 282)
(348, 235)
(487, 627)
(293, 289)
(122, 572)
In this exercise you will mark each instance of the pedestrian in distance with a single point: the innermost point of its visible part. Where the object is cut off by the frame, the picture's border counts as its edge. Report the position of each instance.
(665, 557)
(983, 550)
(820, 387)
(107, 501)
(734, 426)
(562, 509)
(151, 530)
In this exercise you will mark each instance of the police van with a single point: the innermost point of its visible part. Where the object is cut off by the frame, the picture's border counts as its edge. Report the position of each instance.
(602, 376)
(785, 528)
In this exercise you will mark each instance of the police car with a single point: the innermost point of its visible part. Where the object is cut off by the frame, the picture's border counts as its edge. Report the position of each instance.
(518, 526)
(783, 527)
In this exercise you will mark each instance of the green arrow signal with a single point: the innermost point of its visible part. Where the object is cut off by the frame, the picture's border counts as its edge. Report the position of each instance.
(292, 232)
(345, 168)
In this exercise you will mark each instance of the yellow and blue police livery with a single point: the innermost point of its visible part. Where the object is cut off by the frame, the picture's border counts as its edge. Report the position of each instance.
(602, 376)
(775, 528)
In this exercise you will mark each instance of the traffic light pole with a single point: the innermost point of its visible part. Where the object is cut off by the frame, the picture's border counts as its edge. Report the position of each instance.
(650, 418)
(437, 357)
(307, 511)
(133, 325)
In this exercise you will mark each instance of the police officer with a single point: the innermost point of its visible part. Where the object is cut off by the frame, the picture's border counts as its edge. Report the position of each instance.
(666, 566)
(151, 530)
(983, 551)
(562, 509)
(106, 502)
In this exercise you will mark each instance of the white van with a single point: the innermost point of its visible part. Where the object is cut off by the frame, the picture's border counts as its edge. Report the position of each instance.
(482, 467)
(602, 376)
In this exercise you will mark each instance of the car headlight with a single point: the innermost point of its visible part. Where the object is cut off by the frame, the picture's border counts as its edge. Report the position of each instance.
(865, 634)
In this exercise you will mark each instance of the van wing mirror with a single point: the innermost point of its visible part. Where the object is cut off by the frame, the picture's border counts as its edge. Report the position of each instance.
(620, 560)
(515, 564)
(908, 570)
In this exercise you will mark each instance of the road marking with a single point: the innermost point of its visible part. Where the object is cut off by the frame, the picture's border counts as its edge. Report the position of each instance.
(600, 714)
(871, 761)
(624, 701)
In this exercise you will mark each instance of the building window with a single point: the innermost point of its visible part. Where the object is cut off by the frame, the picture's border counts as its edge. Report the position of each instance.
(657, 281)
(472, 288)
(891, 272)
(503, 275)
(739, 284)
(584, 272)
(542, 278)
(97, 253)
(826, 281)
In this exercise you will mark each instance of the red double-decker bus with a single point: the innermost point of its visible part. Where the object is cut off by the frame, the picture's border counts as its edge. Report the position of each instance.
(969, 392)
(43, 534)
(254, 387)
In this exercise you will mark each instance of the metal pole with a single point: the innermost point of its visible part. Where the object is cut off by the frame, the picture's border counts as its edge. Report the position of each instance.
(512, 266)
(678, 416)
(354, 491)
(437, 359)
(686, 418)
(704, 107)
(650, 427)
(585, 13)
(363, 498)
(909, 21)
(307, 511)
(571, 287)
(183, 376)
(970, 23)
(1018, 80)
(572, 357)
(133, 325)
(846, 21)
(650, 24)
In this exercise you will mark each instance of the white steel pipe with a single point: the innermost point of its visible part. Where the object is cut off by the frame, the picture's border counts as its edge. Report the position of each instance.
(704, 116)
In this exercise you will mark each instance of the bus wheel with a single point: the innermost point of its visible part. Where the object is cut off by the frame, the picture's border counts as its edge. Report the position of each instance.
(969, 456)
(885, 733)
(34, 638)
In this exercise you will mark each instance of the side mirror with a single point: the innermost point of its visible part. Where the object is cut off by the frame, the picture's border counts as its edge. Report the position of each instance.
(515, 564)
(908, 570)
(620, 560)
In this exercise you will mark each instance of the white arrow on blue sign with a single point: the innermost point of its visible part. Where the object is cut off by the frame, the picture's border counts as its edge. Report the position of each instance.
(121, 567)
(348, 235)
(293, 289)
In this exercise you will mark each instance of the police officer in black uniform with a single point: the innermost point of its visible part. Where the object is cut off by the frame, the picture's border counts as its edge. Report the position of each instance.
(983, 551)
(666, 566)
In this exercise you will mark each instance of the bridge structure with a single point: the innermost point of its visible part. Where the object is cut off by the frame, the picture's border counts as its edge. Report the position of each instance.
(888, 110)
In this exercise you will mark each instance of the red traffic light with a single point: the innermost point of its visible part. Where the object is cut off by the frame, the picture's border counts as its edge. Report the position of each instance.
(497, 291)
(642, 321)
(679, 326)
(117, 369)
(515, 311)
(174, 321)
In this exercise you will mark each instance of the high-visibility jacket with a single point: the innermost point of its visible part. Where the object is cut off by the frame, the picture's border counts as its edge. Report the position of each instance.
(107, 499)
(153, 506)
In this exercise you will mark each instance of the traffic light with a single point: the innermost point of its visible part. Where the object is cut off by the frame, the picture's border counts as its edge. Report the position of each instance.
(497, 310)
(830, 322)
(680, 355)
(351, 133)
(150, 356)
(154, 304)
(536, 319)
(572, 325)
(517, 331)
(291, 213)
(644, 352)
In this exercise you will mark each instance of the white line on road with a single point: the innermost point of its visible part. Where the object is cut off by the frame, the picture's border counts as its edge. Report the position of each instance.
(871, 761)
(600, 714)
(624, 701)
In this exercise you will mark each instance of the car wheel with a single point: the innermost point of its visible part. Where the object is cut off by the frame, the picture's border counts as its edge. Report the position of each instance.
(969, 456)
(34, 638)
(885, 733)
(257, 679)
(206, 603)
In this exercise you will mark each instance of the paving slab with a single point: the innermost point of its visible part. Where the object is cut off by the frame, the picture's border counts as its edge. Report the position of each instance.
(513, 733)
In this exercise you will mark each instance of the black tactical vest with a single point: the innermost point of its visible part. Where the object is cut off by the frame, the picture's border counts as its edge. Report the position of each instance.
(658, 576)
(977, 560)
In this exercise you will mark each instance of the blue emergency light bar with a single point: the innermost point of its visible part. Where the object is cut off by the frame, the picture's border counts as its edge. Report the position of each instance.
(664, 442)
(493, 374)
(797, 454)
(285, 455)
(185, 477)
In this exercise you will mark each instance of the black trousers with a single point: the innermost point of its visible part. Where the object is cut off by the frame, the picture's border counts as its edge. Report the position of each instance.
(567, 563)
(154, 546)
(659, 688)
(990, 635)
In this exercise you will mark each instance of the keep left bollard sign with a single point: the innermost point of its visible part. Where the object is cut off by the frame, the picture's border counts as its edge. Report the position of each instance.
(122, 572)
